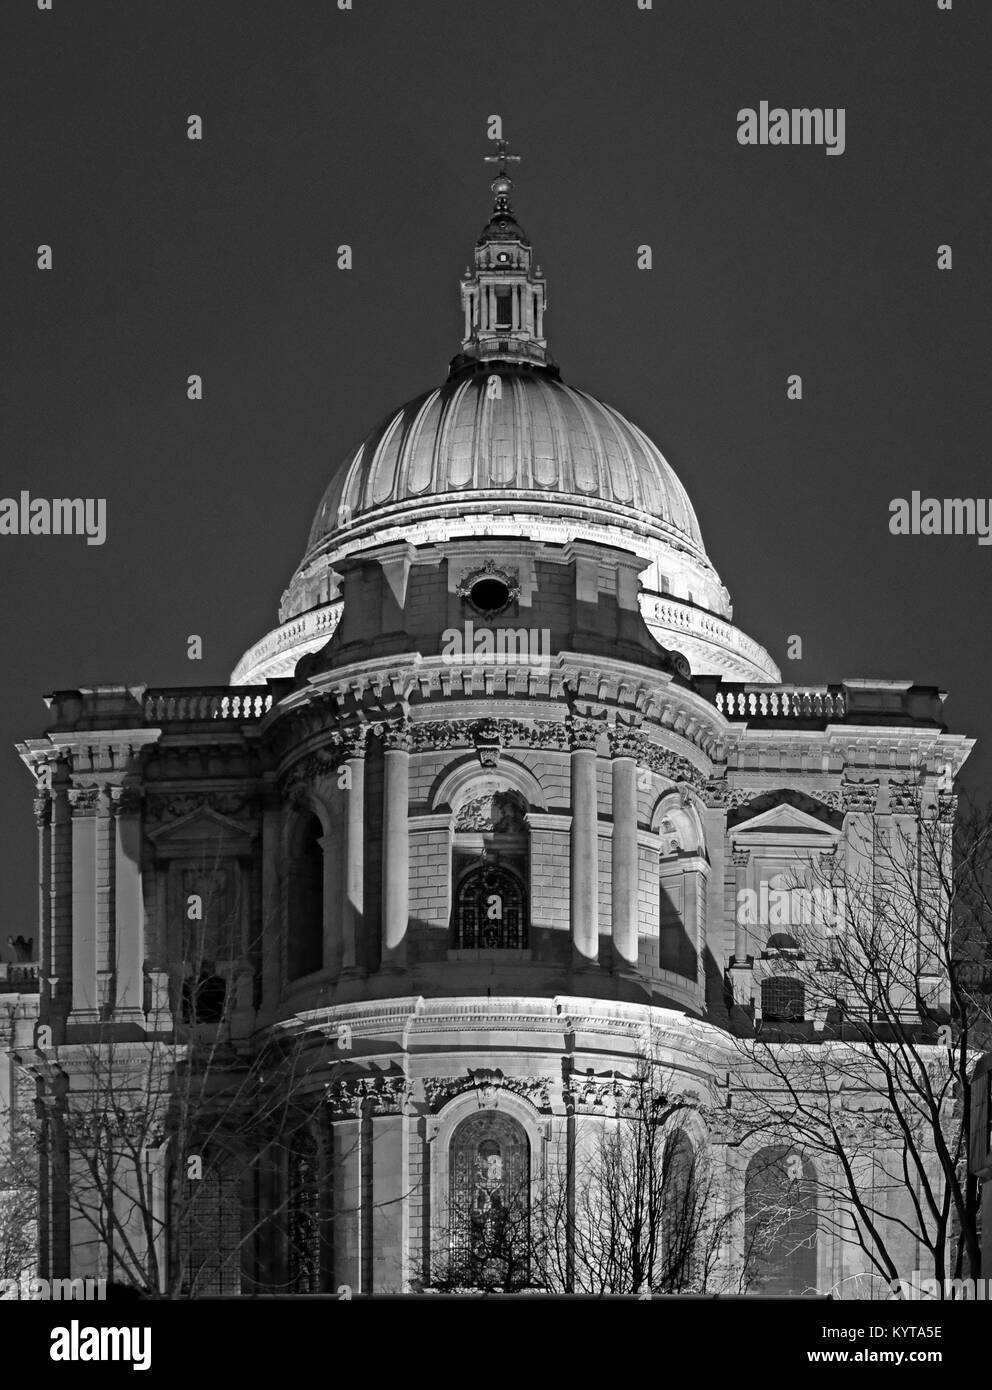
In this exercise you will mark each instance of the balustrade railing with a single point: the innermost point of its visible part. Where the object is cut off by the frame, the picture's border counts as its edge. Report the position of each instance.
(781, 702)
(19, 977)
(237, 703)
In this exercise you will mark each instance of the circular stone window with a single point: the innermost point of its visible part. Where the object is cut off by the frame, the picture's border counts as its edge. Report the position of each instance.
(490, 595)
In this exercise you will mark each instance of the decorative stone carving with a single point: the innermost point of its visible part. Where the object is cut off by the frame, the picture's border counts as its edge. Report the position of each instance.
(497, 812)
(369, 1095)
(859, 796)
(625, 741)
(173, 805)
(489, 570)
(396, 737)
(440, 735)
(486, 735)
(438, 1090)
(324, 763)
(42, 806)
(84, 801)
(487, 1084)
(670, 765)
(126, 799)
(354, 741)
(947, 807)
(583, 734)
(741, 857)
(811, 802)
(714, 793)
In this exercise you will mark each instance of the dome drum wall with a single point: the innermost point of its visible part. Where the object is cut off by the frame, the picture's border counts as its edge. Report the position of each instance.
(504, 743)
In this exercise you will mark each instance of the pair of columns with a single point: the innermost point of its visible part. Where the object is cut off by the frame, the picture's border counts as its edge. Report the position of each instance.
(395, 849)
(93, 944)
(584, 855)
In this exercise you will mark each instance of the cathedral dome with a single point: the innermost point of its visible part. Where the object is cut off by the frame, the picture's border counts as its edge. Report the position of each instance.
(505, 447)
(506, 437)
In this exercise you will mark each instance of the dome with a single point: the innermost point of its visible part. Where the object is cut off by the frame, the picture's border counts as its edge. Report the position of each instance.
(507, 436)
(504, 447)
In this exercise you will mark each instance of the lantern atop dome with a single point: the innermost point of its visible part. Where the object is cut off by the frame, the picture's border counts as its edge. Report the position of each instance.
(503, 299)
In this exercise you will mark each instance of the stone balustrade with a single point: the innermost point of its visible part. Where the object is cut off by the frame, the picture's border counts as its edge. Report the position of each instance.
(236, 703)
(780, 701)
(19, 978)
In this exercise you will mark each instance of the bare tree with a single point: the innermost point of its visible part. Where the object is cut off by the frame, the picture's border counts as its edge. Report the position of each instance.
(18, 1205)
(860, 1062)
(147, 1145)
(633, 1208)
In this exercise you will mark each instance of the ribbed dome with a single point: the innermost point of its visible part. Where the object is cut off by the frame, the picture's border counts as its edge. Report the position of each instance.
(504, 448)
(537, 441)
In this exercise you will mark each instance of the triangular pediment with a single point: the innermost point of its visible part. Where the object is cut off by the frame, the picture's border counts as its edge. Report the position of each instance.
(203, 825)
(785, 824)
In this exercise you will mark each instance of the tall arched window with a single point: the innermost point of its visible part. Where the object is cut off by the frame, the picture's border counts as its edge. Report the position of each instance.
(489, 1203)
(681, 1222)
(490, 864)
(305, 949)
(206, 1216)
(780, 1223)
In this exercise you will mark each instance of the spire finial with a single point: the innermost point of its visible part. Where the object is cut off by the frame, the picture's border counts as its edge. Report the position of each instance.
(501, 157)
(502, 184)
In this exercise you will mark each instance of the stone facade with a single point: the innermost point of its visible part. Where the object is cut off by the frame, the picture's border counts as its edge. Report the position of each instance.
(480, 850)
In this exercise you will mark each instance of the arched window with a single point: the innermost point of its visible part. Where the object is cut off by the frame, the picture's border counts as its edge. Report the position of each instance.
(489, 914)
(211, 913)
(206, 1213)
(305, 952)
(491, 865)
(783, 1000)
(681, 1222)
(780, 1223)
(489, 1203)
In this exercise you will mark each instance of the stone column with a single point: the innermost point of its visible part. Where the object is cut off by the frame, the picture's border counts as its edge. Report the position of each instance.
(57, 971)
(129, 907)
(390, 1199)
(625, 849)
(741, 969)
(351, 1214)
(395, 846)
(741, 858)
(43, 944)
(353, 875)
(584, 849)
(105, 944)
(84, 802)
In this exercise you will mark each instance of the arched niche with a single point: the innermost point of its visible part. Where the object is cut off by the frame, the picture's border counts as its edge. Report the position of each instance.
(306, 840)
(683, 870)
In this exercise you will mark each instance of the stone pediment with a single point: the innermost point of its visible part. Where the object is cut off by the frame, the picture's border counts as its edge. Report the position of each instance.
(199, 828)
(784, 823)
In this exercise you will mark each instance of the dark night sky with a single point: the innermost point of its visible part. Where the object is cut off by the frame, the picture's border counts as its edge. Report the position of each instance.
(368, 127)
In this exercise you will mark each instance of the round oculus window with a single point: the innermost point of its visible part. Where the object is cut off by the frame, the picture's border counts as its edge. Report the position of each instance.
(490, 594)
